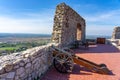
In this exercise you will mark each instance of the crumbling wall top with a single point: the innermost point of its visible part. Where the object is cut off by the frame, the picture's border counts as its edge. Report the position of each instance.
(116, 33)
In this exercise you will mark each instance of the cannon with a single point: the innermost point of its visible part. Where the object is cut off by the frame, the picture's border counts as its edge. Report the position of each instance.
(64, 60)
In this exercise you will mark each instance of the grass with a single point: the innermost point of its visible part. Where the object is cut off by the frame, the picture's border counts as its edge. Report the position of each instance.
(18, 47)
(9, 48)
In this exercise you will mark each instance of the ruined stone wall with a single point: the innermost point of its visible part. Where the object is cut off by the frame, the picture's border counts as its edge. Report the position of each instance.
(116, 33)
(66, 21)
(26, 65)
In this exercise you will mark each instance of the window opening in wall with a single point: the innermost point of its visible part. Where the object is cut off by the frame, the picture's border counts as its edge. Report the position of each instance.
(79, 31)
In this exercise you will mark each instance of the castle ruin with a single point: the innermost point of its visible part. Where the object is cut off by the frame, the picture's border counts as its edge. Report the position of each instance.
(33, 63)
(116, 33)
(68, 26)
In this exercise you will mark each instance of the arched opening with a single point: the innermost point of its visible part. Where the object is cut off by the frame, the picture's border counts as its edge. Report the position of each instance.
(79, 32)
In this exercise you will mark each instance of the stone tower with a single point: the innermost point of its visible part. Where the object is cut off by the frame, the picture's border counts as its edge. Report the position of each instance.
(116, 33)
(68, 25)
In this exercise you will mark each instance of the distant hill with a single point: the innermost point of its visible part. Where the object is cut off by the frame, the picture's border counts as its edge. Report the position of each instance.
(22, 35)
(96, 36)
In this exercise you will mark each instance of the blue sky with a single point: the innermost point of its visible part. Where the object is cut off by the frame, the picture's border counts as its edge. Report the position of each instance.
(36, 16)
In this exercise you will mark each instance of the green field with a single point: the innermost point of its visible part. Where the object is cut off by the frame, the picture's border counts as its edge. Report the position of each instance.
(17, 47)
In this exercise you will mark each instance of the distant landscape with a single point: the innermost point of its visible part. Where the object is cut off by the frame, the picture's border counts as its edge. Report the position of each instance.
(12, 43)
(96, 36)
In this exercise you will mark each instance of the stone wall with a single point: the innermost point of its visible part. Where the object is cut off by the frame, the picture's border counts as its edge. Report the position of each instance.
(26, 65)
(116, 33)
(68, 25)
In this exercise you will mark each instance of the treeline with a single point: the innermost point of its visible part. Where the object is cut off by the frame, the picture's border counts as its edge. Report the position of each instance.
(8, 48)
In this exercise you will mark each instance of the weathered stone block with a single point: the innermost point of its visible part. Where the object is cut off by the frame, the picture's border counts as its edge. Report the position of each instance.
(28, 65)
(8, 67)
(20, 71)
(10, 75)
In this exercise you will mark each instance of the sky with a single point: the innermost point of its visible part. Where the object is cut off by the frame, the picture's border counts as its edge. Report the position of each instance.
(36, 16)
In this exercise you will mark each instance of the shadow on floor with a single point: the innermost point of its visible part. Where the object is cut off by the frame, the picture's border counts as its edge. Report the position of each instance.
(53, 74)
(99, 48)
(79, 70)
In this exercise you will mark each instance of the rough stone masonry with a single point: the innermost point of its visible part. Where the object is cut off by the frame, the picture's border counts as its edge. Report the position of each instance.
(27, 65)
(116, 33)
(68, 25)
(116, 37)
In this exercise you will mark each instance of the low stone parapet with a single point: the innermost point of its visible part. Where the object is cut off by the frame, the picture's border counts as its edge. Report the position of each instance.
(115, 42)
(26, 65)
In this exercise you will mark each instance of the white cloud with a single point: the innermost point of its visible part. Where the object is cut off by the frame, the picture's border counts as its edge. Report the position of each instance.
(42, 22)
(103, 23)
(93, 29)
(35, 23)
(99, 23)
(111, 16)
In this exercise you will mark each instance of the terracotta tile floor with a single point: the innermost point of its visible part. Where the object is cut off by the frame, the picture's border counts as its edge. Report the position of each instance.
(97, 53)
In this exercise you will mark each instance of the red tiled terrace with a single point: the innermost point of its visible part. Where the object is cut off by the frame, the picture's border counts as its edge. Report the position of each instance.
(101, 53)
